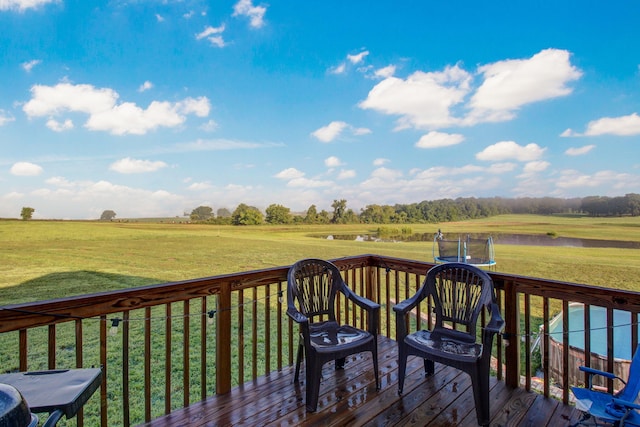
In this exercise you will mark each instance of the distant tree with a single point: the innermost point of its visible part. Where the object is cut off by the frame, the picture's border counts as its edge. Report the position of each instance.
(246, 215)
(339, 210)
(107, 215)
(312, 215)
(223, 213)
(323, 217)
(27, 213)
(278, 214)
(350, 217)
(201, 213)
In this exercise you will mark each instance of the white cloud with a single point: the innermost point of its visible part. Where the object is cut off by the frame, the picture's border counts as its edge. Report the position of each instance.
(332, 162)
(290, 173)
(346, 174)
(500, 168)
(380, 161)
(358, 58)
(439, 139)
(334, 129)
(159, 17)
(209, 126)
(536, 166)
(338, 69)
(506, 150)
(145, 86)
(296, 179)
(129, 165)
(385, 72)
(198, 186)
(606, 179)
(22, 5)
(510, 84)
(433, 100)
(28, 66)
(57, 126)
(213, 34)
(5, 118)
(330, 132)
(308, 183)
(423, 100)
(620, 126)
(105, 114)
(360, 131)
(578, 151)
(254, 13)
(25, 169)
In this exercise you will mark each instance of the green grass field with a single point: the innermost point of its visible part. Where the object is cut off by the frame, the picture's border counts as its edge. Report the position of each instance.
(52, 259)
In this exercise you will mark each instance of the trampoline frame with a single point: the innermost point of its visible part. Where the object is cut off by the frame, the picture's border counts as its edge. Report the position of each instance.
(478, 252)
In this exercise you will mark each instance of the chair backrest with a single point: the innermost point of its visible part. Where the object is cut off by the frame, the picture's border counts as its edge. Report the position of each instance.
(632, 388)
(459, 293)
(313, 284)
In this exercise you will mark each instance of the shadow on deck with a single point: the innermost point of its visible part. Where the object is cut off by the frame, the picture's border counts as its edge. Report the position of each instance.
(348, 397)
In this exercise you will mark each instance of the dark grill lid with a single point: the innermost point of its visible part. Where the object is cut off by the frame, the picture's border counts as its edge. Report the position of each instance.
(14, 411)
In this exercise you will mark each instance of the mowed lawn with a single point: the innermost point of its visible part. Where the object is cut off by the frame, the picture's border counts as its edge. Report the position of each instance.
(43, 260)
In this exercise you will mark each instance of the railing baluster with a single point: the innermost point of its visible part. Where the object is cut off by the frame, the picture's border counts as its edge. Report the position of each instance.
(186, 338)
(279, 325)
(240, 336)
(79, 362)
(147, 364)
(527, 342)
(254, 335)
(267, 330)
(610, 347)
(52, 346)
(203, 348)
(23, 350)
(125, 369)
(168, 331)
(545, 355)
(105, 371)
(566, 327)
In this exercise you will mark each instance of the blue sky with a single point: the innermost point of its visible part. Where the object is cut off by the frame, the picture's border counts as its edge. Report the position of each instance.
(152, 108)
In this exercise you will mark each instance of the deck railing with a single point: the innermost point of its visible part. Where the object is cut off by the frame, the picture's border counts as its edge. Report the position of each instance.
(165, 346)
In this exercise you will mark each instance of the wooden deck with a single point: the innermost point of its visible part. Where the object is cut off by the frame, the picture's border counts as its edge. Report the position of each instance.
(348, 397)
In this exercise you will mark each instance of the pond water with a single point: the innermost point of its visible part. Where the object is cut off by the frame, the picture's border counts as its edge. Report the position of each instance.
(501, 239)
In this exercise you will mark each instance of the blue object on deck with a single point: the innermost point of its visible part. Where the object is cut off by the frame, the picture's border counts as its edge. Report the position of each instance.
(619, 409)
(478, 252)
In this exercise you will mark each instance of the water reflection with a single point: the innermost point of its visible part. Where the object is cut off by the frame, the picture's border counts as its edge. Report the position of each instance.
(501, 239)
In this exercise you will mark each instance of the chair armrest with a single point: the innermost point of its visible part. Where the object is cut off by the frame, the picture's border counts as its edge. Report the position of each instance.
(404, 307)
(626, 403)
(496, 323)
(372, 308)
(296, 316)
(592, 371)
(360, 301)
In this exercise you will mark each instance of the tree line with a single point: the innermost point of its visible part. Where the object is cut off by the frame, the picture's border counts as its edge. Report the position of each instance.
(428, 211)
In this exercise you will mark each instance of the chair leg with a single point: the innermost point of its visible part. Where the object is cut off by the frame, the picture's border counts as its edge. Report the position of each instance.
(402, 367)
(298, 360)
(429, 367)
(314, 373)
(480, 385)
(374, 356)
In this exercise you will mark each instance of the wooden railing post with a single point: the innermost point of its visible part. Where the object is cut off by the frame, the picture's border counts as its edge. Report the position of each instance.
(223, 341)
(512, 334)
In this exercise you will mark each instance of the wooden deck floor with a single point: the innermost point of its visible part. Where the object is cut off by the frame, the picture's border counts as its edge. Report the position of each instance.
(348, 397)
